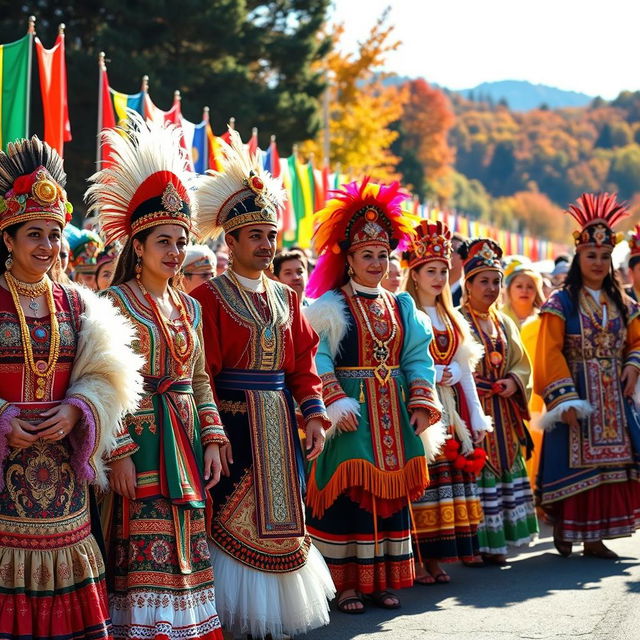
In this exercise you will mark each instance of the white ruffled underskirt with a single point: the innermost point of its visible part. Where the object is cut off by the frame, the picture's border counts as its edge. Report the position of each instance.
(258, 602)
(184, 616)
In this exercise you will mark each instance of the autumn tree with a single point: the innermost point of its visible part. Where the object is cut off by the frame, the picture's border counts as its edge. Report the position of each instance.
(422, 144)
(361, 106)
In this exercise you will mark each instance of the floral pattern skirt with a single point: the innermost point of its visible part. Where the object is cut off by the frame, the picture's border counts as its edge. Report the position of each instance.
(150, 595)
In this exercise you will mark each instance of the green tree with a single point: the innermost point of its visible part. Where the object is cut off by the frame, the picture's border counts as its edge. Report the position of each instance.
(244, 58)
(625, 170)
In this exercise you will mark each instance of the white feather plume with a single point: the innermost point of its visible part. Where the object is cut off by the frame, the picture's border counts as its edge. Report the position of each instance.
(217, 187)
(138, 150)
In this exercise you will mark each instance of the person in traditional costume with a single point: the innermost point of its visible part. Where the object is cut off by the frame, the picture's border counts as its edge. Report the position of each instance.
(588, 359)
(260, 352)
(85, 246)
(524, 299)
(633, 290)
(379, 387)
(503, 381)
(106, 266)
(67, 376)
(161, 578)
(447, 515)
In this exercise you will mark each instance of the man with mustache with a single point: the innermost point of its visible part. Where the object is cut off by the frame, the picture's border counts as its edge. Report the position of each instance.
(260, 357)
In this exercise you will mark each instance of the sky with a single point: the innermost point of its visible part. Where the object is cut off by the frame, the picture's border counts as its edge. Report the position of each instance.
(588, 46)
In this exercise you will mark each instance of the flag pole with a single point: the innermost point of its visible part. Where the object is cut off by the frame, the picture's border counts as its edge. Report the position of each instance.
(101, 70)
(31, 31)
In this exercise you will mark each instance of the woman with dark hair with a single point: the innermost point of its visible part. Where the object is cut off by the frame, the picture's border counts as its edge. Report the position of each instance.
(588, 358)
(447, 515)
(502, 377)
(167, 453)
(379, 389)
(60, 406)
(105, 266)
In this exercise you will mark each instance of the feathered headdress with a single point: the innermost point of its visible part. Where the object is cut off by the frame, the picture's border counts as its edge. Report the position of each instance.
(32, 181)
(432, 242)
(243, 194)
(359, 214)
(147, 183)
(596, 214)
(85, 246)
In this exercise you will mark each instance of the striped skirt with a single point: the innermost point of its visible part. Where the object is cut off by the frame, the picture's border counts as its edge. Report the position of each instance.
(446, 517)
(362, 553)
(509, 512)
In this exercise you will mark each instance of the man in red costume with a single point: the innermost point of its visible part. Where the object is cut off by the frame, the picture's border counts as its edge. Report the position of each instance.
(260, 355)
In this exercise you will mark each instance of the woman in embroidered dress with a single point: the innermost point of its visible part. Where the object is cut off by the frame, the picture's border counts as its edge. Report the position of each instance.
(448, 513)
(59, 410)
(502, 378)
(161, 581)
(589, 358)
(379, 391)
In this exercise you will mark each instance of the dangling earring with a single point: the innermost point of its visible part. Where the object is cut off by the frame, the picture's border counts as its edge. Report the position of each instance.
(138, 267)
(350, 271)
(8, 263)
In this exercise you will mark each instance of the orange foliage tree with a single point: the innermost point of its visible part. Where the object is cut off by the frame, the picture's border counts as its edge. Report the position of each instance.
(422, 144)
(361, 106)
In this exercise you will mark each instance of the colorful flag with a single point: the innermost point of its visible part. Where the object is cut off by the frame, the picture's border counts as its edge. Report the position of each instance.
(214, 150)
(271, 161)
(53, 87)
(15, 81)
(253, 142)
(200, 147)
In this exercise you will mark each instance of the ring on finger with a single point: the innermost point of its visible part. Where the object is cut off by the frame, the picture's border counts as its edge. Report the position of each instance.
(61, 432)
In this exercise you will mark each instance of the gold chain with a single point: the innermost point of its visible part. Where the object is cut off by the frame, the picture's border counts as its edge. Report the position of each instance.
(27, 349)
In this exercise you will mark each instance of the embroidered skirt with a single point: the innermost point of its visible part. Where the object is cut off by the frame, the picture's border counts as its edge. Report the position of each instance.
(52, 574)
(447, 515)
(509, 514)
(149, 596)
(361, 553)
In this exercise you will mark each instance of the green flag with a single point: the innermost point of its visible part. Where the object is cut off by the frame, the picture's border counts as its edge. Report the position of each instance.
(15, 64)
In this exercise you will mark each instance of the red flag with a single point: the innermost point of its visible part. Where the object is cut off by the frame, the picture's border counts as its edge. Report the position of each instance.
(107, 116)
(53, 87)
(253, 142)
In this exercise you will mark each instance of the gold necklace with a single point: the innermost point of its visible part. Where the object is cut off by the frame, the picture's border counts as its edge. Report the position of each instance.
(268, 334)
(381, 350)
(41, 369)
(31, 290)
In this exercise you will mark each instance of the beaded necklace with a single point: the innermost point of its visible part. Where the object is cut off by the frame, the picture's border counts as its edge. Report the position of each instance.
(268, 333)
(180, 349)
(40, 369)
(381, 350)
(493, 356)
(445, 341)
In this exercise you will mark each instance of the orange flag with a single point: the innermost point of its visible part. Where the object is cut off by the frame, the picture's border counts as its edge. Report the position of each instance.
(53, 86)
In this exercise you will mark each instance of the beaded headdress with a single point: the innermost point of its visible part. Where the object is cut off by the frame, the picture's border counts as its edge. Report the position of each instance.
(244, 194)
(147, 182)
(32, 181)
(597, 214)
(360, 214)
(432, 242)
(481, 255)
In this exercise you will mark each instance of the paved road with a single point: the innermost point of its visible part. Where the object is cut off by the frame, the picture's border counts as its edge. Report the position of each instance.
(540, 595)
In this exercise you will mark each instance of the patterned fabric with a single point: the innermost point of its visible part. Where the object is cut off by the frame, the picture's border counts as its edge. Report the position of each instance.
(509, 514)
(52, 574)
(157, 549)
(504, 488)
(447, 515)
(361, 552)
(581, 466)
(360, 486)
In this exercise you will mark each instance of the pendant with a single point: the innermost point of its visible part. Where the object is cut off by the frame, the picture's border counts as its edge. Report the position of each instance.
(380, 353)
(34, 305)
(495, 358)
(39, 334)
(267, 340)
